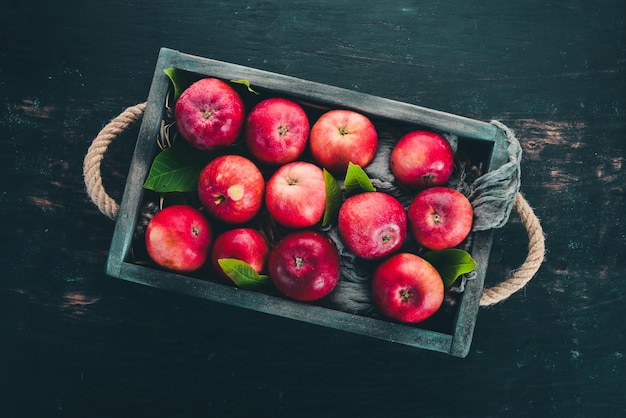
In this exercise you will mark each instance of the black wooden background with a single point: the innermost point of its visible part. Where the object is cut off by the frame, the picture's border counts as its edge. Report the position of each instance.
(76, 343)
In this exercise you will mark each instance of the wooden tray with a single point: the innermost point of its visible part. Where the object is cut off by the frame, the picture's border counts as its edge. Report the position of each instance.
(480, 141)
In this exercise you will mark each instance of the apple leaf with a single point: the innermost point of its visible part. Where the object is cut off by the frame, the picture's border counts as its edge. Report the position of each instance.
(180, 80)
(451, 263)
(247, 84)
(176, 169)
(333, 199)
(242, 273)
(357, 180)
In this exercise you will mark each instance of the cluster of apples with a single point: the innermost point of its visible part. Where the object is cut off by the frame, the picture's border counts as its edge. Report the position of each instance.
(304, 264)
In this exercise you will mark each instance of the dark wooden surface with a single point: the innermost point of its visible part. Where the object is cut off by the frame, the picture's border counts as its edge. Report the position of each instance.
(76, 343)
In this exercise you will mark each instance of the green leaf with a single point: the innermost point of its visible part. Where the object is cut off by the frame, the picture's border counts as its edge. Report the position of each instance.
(245, 83)
(242, 273)
(176, 169)
(357, 180)
(180, 80)
(333, 199)
(451, 263)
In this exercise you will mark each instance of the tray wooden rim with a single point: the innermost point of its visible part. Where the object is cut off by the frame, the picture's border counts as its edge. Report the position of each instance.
(457, 344)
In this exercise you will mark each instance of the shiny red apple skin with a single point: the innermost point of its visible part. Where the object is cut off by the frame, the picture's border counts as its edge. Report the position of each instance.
(372, 224)
(277, 131)
(304, 265)
(422, 159)
(341, 136)
(178, 238)
(440, 218)
(245, 244)
(407, 288)
(209, 114)
(231, 189)
(295, 195)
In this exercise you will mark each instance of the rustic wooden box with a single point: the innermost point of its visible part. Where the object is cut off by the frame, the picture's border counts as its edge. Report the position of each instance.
(485, 142)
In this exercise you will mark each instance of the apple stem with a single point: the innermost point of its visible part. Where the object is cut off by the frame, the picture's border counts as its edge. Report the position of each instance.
(405, 295)
(428, 178)
(219, 199)
(299, 261)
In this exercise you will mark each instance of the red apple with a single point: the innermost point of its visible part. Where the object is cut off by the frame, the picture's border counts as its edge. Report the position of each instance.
(246, 244)
(295, 195)
(178, 238)
(422, 159)
(277, 131)
(407, 288)
(304, 265)
(231, 189)
(209, 114)
(372, 224)
(440, 217)
(341, 136)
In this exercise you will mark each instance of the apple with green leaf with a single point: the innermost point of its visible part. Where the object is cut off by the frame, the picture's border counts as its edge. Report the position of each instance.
(245, 244)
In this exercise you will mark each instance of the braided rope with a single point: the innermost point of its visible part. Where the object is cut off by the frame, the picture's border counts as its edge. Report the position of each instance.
(107, 205)
(91, 165)
(536, 253)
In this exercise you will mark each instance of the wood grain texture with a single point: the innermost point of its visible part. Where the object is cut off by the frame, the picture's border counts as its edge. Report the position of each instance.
(74, 342)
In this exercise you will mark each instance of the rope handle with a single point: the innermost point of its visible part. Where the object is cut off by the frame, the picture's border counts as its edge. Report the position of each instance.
(91, 165)
(109, 207)
(536, 253)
